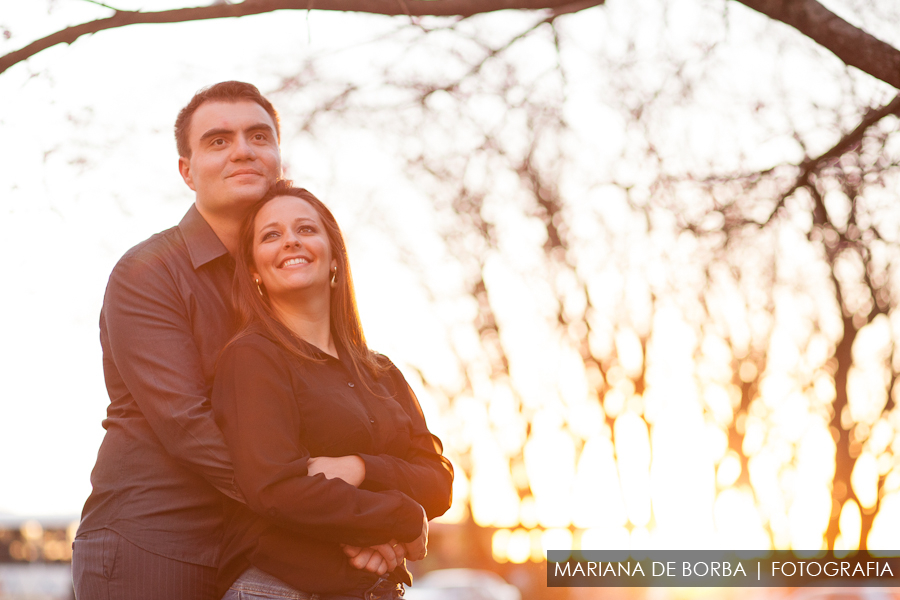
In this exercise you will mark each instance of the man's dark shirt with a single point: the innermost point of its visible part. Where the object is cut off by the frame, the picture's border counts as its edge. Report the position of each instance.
(276, 411)
(166, 316)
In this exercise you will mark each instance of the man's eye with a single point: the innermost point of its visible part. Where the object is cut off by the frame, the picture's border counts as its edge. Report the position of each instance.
(218, 142)
(260, 137)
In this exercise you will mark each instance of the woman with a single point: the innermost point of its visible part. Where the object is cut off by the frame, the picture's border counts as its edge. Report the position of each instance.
(329, 444)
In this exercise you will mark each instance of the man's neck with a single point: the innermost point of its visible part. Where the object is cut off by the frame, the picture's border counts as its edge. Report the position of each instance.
(226, 227)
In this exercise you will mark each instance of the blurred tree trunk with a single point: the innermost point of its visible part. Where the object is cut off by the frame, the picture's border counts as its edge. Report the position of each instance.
(842, 490)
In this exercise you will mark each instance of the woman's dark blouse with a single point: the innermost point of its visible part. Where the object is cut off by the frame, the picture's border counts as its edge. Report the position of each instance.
(276, 411)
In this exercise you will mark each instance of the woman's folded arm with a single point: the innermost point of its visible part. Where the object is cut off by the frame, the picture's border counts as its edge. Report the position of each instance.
(255, 407)
(424, 473)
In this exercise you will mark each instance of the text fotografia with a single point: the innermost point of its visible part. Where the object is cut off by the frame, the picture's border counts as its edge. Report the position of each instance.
(708, 568)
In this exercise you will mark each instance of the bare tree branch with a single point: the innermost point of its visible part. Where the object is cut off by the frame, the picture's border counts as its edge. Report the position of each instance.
(413, 8)
(851, 44)
(847, 142)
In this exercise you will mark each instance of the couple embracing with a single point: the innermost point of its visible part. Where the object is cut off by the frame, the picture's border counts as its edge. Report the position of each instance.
(255, 447)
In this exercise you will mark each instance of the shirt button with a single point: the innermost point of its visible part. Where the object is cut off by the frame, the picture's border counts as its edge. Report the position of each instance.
(371, 420)
(350, 383)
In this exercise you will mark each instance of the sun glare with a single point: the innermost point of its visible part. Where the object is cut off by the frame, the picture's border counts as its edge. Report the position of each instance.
(665, 474)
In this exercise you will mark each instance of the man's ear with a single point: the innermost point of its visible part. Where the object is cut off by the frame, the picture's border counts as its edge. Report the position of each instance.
(184, 167)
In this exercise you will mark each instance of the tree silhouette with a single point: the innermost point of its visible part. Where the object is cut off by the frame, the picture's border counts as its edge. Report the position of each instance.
(673, 235)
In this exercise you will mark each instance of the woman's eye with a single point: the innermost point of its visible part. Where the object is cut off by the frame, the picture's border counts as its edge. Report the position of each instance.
(307, 229)
(269, 235)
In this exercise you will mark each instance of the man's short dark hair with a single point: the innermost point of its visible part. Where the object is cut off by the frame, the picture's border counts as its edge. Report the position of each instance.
(227, 91)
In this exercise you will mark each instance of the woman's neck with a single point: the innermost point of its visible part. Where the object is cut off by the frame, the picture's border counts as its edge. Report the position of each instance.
(310, 321)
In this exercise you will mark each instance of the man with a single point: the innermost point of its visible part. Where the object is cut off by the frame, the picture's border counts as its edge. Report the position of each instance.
(151, 527)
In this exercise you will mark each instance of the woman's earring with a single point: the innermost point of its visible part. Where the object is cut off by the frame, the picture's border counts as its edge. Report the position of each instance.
(259, 288)
(334, 277)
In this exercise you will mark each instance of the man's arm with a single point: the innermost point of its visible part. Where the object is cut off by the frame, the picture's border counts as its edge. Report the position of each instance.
(150, 345)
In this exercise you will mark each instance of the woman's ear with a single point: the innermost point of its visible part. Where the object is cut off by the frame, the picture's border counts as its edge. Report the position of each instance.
(254, 276)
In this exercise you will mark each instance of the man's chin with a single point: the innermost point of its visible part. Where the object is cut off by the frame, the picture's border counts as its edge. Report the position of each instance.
(248, 195)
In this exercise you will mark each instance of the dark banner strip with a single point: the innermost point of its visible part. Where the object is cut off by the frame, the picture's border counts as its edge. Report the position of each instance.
(726, 568)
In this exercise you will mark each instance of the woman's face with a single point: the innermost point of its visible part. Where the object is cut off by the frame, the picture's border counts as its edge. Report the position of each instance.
(291, 252)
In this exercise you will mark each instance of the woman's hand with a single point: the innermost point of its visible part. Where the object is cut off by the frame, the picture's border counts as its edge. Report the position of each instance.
(384, 558)
(418, 548)
(379, 559)
(351, 469)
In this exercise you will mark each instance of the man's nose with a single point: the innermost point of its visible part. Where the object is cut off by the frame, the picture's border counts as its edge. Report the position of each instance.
(243, 149)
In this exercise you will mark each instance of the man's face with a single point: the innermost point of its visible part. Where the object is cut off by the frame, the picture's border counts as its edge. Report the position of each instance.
(234, 157)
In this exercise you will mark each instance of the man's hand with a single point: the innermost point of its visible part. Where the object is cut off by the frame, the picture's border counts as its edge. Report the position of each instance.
(379, 559)
(351, 469)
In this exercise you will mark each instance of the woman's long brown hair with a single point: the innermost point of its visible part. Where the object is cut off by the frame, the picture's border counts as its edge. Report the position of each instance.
(254, 310)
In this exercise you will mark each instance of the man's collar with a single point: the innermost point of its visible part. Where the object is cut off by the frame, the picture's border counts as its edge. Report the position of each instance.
(202, 242)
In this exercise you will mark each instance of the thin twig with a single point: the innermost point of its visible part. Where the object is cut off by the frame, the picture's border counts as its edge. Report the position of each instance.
(113, 8)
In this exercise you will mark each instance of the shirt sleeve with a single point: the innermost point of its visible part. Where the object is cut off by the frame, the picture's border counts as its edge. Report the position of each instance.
(254, 404)
(151, 346)
(423, 474)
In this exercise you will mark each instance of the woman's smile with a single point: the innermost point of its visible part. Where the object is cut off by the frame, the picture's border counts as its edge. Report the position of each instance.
(290, 262)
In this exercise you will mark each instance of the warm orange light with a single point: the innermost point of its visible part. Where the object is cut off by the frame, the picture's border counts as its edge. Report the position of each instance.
(458, 511)
(499, 545)
(670, 478)
(605, 538)
(864, 480)
(518, 549)
(633, 453)
(550, 463)
(494, 499)
(887, 523)
(851, 525)
(553, 539)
